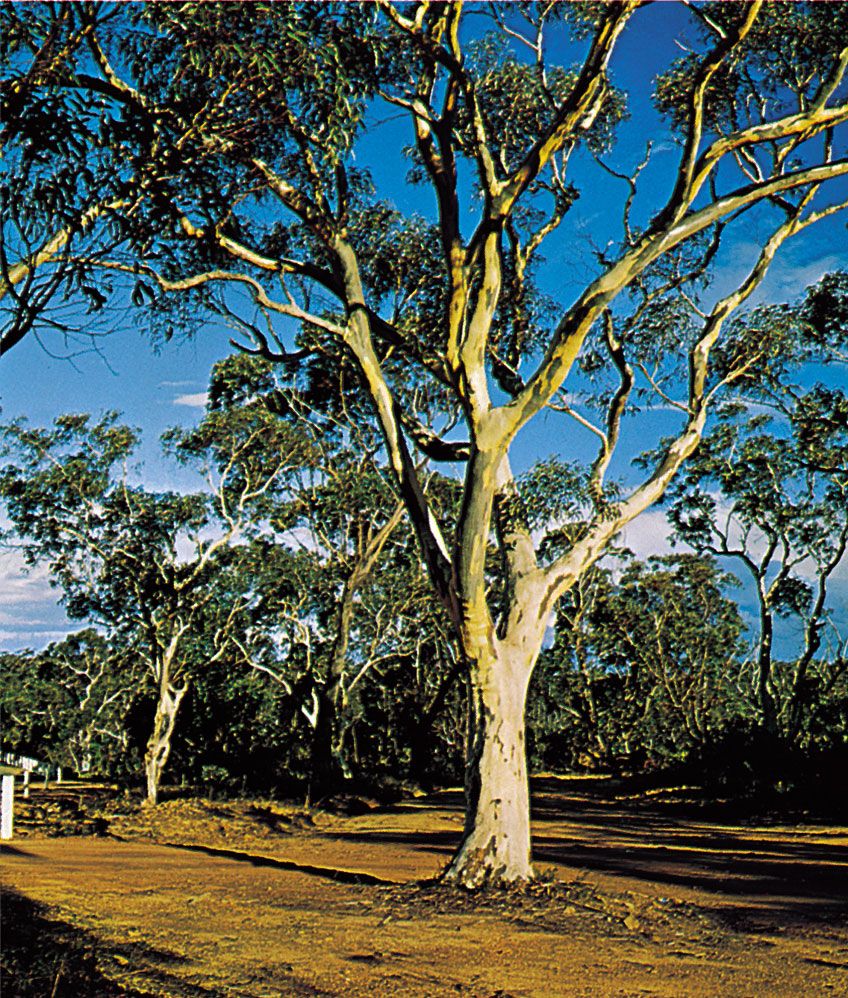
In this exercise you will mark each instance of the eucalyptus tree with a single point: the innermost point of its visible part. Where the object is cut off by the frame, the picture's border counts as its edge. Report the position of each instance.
(349, 517)
(340, 617)
(52, 208)
(133, 561)
(768, 493)
(234, 131)
(402, 694)
(68, 703)
(649, 663)
(317, 540)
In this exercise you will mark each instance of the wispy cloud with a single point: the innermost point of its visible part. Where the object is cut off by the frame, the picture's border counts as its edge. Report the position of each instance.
(176, 384)
(31, 615)
(29, 620)
(34, 639)
(22, 584)
(788, 276)
(196, 401)
(649, 534)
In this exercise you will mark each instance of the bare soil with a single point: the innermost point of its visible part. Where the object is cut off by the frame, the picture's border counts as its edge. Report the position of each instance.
(645, 893)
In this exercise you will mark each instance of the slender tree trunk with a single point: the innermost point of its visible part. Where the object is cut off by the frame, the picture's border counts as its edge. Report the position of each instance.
(496, 844)
(768, 707)
(329, 763)
(159, 743)
(587, 695)
(421, 733)
(326, 757)
(799, 703)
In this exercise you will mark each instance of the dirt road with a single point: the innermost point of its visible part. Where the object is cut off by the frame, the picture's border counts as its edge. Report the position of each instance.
(649, 902)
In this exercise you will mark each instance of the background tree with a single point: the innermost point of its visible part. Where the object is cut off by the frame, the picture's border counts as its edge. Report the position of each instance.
(768, 492)
(645, 668)
(239, 733)
(238, 128)
(318, 539)
(118, 551)
(68, 704)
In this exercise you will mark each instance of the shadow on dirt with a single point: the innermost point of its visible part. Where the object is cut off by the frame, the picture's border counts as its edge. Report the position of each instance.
(43, 956)
(340, 876)
(667, 836)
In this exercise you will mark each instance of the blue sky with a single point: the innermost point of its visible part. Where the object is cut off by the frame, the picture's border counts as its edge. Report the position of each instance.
(155, 391)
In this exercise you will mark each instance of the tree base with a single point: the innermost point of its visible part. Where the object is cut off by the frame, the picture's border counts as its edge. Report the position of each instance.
(478, 868)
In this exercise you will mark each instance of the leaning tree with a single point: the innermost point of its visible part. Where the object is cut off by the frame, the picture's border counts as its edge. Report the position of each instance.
(317, 536)
(234, 140)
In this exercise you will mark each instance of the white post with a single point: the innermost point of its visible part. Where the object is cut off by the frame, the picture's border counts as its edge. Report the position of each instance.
(8, 804)
(58, 774)
(27, 775)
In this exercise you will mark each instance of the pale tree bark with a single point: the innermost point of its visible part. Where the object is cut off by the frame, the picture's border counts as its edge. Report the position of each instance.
(159, 744)
(781, 700)
(170, 694)
(765, 687)
(495, 844)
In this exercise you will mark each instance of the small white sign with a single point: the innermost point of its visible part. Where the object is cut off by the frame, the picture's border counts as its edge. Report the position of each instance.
(8, 805)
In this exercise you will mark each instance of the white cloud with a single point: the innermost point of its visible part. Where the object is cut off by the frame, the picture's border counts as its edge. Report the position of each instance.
(789, 277)
(15, 619)
(176, 384)
(789, 274)
(187, 544)
(31, 615)
(196, 401)
(649, 534)
(20, 583)
(17, 640)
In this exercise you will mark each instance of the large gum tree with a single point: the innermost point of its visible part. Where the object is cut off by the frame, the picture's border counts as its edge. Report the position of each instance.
(214, 158)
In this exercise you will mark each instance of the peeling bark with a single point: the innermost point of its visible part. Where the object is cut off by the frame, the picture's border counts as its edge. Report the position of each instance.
(495, 847)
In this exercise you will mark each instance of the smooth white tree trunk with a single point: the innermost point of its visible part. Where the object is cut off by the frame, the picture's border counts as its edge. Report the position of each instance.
(159, 743)
(496, 844)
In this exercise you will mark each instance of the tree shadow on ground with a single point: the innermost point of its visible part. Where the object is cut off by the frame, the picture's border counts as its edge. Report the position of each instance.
(340, 876)
(784, 883)
(761, 880)
(43, 955)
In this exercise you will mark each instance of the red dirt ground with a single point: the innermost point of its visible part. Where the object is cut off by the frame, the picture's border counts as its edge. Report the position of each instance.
(259, 900)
